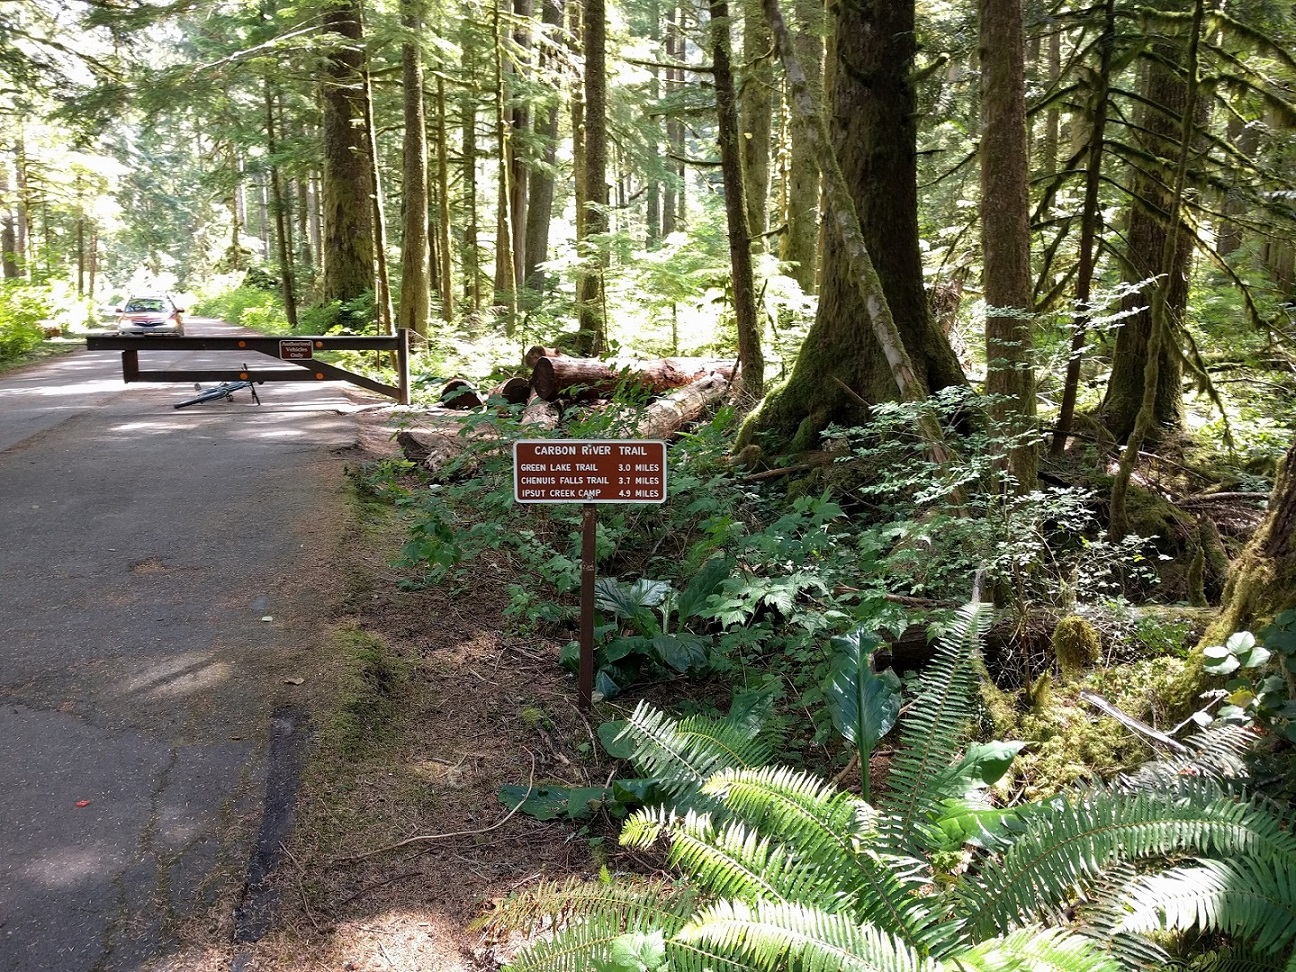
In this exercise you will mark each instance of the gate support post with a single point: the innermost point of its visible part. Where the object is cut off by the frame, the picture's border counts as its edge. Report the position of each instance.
(402, 364)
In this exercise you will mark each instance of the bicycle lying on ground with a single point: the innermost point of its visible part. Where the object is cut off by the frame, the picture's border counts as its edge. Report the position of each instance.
(224, 391)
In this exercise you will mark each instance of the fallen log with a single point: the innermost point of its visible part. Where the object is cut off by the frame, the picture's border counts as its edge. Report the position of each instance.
(554, 378)
(539, 351)
(459, 393)
(540, 413)
(515, 390)
(431, 449)
(682, 406)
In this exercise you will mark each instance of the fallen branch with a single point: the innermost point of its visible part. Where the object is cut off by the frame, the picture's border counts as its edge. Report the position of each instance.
(1134, 725)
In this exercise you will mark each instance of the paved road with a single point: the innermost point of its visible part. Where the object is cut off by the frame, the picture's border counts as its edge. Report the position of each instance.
(140, 549)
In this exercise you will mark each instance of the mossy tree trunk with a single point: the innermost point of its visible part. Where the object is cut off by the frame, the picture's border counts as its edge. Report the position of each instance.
(416, 264)
(873, 134)
(738, 208)
(1263, 580)
(348, 244)
(1160, 119)
(589, 297)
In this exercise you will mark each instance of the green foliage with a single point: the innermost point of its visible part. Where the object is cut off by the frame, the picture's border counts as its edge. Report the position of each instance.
(1263, 686)
(1045, 546)
(22, 308)
(787, 872)
(864, 704)
(245, 305)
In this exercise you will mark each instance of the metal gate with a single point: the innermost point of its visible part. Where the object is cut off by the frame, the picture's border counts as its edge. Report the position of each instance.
(299, 351)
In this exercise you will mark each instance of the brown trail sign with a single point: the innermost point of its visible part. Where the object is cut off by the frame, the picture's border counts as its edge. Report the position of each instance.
(589, 471)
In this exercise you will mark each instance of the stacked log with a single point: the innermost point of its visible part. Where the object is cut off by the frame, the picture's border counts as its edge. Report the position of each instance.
(585, 379)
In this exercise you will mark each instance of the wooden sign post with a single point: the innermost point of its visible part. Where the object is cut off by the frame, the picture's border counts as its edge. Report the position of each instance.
(589, 471)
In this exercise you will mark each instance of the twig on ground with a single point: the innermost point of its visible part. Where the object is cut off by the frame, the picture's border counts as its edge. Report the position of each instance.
(456, 833)
(301, 889)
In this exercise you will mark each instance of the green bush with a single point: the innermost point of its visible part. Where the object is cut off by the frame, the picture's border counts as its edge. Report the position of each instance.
(245, 305)
(22, 308)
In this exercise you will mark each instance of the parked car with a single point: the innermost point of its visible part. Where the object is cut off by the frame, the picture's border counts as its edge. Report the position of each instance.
(150, 315)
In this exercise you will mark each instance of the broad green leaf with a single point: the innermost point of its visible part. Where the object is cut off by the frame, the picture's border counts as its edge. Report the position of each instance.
(609, 734)
(1240, 642)
(682, 651)
(1219, 660)
(990, 827)
(635, 952)
(628, 600)
(552, 802)
(984, 764)
(705, 582)
(605, 685)
(752, 709)
(619, 648)
(864, 705)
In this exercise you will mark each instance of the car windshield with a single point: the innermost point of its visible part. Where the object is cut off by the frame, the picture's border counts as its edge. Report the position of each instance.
(144, 304)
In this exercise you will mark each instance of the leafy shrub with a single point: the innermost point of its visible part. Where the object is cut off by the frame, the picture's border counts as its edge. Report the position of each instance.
(246, 306)
(22, 308)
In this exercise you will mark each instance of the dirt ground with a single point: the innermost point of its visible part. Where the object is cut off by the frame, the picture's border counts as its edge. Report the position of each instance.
(424, 711)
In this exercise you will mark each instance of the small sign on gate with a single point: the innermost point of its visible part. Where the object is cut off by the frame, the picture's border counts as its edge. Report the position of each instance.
(296, 350)
(589, 471)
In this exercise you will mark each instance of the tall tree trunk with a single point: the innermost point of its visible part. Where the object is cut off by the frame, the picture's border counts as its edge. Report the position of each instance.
(653, 194)
(445, 267)
(9, 257)
(1090, 216)
(836, 346)
(1160, 120)
(1005, 235)
(416, 273)
(1159, 314)
(287, 284)
(468, 155)
(751, 358)
(382, 287)
(801, 240)
(305, 250)
(756, 117)
(1262, 581)
(519, 154)
(674, 202)
(1245, 139)
(846, 356)
(593, 325)
(505, 282)
(348, 238)
(540, 203)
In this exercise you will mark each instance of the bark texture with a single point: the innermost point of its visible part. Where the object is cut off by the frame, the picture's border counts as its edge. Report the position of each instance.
(873, 338)
(1005, 234)
(1160, 120)
(416, 269)
(348, 232)
(738, 208)
(800, 243)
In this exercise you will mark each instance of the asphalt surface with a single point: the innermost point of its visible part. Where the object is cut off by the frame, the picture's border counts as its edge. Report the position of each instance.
(144, 697)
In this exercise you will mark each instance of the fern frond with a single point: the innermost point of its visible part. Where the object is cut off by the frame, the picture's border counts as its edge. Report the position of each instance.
(935, 726)
(552, 904)
(1034, 950)
(837, 832)
(1254, 902)
(1071, 845)
(1240, 960)
(732, 860)
(1219, 753)
(776, 937)
(683, 753)
(581, 921)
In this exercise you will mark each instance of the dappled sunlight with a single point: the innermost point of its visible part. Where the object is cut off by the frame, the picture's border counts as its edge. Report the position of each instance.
(178, 675)
(67, 868)
(14, 393)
